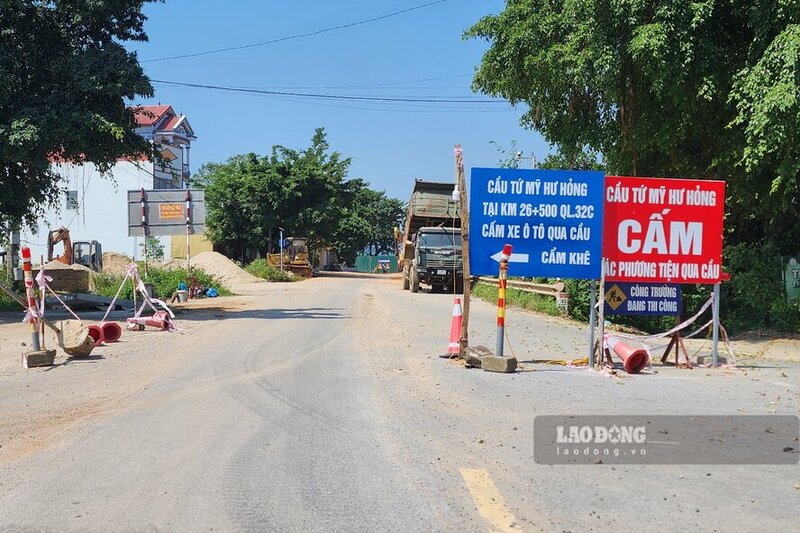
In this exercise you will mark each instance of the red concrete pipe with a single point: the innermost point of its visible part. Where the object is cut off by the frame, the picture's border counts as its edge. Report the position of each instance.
(96, 333)
(111, 331)
(633, 359)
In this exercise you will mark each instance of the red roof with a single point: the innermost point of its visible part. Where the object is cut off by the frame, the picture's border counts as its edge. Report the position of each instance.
(171, 123)
(147, 115)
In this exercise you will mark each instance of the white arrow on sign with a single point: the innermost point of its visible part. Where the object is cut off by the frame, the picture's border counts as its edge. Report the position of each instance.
(515, 258)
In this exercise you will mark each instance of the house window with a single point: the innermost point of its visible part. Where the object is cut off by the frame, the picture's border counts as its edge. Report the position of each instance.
(72, 200)
(161, 183)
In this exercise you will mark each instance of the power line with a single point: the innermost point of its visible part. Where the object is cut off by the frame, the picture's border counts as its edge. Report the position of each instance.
(322, 96)
(390, 85)
(298, 36)
(398, 108)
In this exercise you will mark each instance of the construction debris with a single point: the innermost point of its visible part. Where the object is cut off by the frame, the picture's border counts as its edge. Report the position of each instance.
(74, 338)
(505, 365)
(38, 358)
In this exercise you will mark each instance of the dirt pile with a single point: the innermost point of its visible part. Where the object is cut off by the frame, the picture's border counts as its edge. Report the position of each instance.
(115, 264)
(217, 265)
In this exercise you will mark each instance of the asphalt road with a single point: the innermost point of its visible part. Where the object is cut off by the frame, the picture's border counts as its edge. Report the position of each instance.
(322, 406)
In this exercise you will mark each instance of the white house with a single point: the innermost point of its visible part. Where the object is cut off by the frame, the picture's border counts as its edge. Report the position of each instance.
(94, 206)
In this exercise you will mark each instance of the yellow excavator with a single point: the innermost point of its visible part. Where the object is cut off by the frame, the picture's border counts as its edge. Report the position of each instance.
(86, 253)
(294, 257)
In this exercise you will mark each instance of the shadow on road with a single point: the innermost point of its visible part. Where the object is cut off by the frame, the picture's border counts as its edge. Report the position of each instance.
(76, 360)
(316, 313)
(356, 275)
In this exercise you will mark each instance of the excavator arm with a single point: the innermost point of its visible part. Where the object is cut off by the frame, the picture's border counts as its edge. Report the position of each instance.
(54, 237)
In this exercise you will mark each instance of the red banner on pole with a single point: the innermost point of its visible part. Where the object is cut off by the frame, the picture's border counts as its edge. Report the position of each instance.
(663, 230)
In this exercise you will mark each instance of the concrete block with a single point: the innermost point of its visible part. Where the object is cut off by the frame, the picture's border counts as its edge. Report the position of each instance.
(492, 363)
(74, 338)
(40, 358)
(706, 359)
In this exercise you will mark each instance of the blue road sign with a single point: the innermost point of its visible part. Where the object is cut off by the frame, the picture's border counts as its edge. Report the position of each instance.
(553, 218)
(655, 299)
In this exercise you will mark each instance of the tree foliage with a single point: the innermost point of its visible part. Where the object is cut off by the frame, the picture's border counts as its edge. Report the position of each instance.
(306, 192)
(65, 77)
(704, 89)
(368, 224)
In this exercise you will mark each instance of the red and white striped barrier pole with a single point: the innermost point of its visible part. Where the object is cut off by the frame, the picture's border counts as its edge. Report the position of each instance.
(143, 203)
(188, 227)
(501, 299)
(33, 311)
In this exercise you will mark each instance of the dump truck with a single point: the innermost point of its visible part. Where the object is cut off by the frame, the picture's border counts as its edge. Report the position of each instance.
(430, 244)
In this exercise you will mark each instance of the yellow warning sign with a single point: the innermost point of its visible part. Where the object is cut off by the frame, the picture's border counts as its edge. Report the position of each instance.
(615, 297)
(170, 211)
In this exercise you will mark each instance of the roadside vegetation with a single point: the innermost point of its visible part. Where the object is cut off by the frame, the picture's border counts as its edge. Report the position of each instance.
(516, 298)
(306, 192)
(164, 281)
(261, 269)
(751, 301)
(6, 303)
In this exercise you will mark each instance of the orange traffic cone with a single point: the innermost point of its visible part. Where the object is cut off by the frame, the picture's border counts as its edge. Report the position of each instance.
(455, 331)
(633, 359)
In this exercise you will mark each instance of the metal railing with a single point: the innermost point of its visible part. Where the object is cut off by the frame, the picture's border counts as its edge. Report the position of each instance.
(546, 289)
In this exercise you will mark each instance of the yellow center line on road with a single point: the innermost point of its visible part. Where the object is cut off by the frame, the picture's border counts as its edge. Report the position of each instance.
(488, 500)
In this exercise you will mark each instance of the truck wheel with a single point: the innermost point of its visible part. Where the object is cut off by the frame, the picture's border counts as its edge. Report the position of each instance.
(414, 280)
(406, 282)
(460, 286)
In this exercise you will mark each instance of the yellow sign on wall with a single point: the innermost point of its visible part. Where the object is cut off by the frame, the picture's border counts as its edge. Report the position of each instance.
(170, 211)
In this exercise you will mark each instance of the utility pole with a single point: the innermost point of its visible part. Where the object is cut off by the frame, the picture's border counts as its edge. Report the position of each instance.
(280, 245)
(462, 189)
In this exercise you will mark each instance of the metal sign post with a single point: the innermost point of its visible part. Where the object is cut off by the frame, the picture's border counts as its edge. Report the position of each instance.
(592, 319)
(715, 328)
(280, 245)
(188, 228)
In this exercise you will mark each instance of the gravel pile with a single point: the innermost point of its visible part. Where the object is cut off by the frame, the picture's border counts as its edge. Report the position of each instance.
(217, 265)
(115, 264)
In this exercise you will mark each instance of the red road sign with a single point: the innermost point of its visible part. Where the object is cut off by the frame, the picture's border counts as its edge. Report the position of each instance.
(663, 230)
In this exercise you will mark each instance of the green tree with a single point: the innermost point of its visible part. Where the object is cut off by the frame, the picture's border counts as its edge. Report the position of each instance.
(155, 248)
(582, 160)
(706, 89)
(65, 77)
(307, 192)
(368, 225)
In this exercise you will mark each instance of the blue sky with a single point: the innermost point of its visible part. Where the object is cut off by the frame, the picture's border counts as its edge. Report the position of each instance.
(416, 54)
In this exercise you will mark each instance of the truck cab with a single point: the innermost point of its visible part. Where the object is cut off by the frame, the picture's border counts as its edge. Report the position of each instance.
(437, 259)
